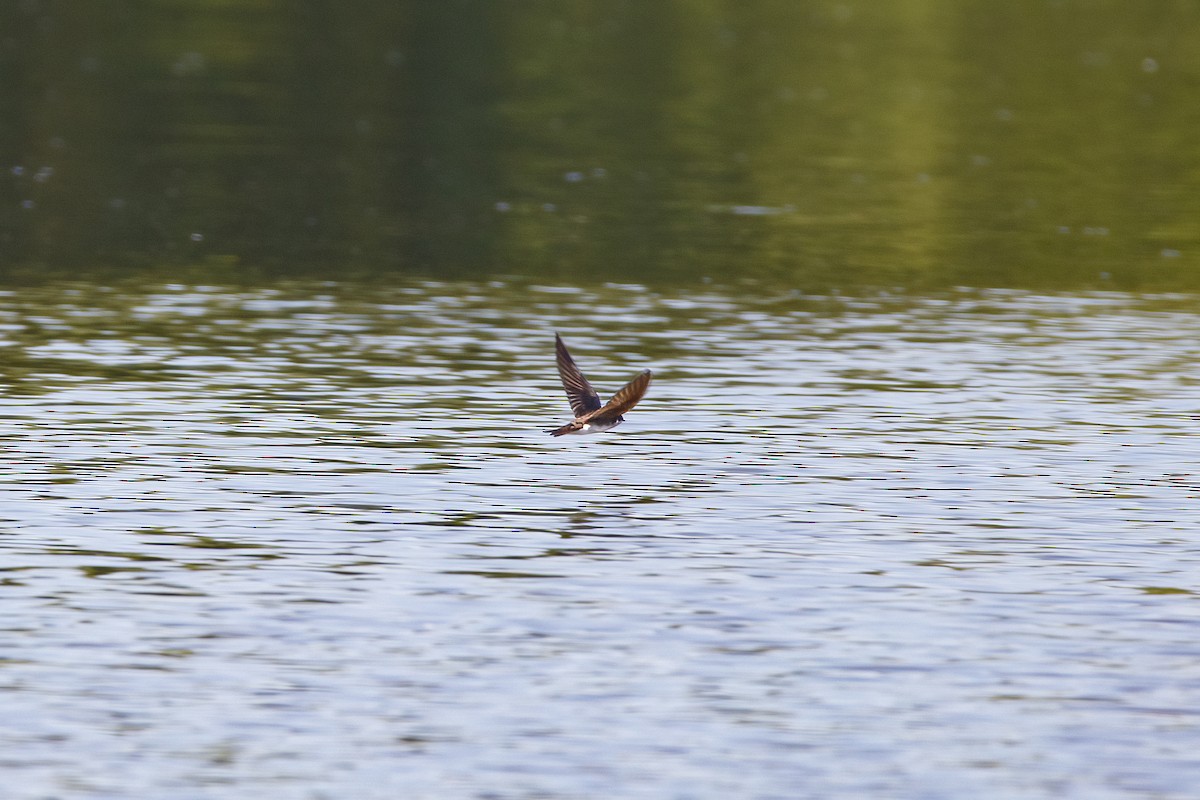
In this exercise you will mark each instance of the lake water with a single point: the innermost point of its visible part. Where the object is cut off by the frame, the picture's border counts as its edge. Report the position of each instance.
(313, 541)
(909, 512)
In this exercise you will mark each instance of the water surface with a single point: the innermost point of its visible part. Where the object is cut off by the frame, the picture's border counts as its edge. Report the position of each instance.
(312, 541)
(922, 143)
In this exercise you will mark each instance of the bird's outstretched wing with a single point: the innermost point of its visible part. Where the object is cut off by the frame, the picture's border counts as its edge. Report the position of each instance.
(626, 398)
(581, 394)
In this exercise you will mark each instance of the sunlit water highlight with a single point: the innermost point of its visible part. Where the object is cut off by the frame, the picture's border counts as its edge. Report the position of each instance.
(314, 542)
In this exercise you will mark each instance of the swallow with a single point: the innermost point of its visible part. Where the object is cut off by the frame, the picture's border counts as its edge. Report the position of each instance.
(592, 416)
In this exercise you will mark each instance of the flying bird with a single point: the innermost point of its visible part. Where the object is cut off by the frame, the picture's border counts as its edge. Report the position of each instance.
(592, 416)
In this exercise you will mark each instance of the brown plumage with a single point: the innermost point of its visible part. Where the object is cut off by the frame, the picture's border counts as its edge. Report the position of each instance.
(592, 416)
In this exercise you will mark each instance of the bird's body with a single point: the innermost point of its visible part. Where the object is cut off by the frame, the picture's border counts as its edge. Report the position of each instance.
(591, 415)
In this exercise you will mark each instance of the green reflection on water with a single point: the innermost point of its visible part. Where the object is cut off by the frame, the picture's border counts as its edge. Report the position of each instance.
(916, 143)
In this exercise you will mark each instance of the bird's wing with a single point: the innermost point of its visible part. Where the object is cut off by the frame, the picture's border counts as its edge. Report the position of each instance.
(626, 397)
(581, 394)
